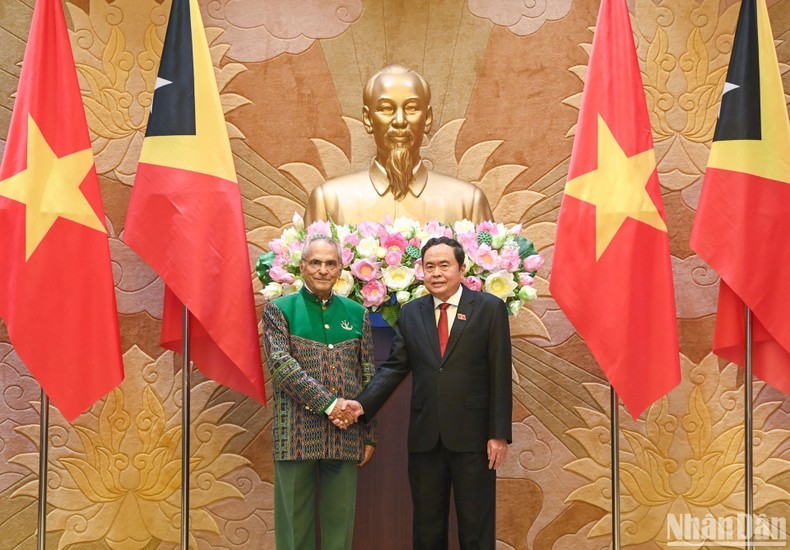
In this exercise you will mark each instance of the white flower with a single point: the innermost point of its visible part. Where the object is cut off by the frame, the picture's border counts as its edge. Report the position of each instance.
(463, 226)
(397, 277)
(298, 221)
(272, 290)
(295, 257)
(497, 241)
(367, 247)
(344, 284)
(514, 307)
(342, 232)
(501, 284)
(422, 234)
(296, 286)
(402, 296)
(405, 226)
(381, 251)
(527, 293)
(290, 235)
(419, 292)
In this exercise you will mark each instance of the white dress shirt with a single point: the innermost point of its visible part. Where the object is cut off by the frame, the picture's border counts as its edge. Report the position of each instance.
(453, 300)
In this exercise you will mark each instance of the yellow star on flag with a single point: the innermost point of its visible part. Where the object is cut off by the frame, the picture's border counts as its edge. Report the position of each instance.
(617, 189)
(50, 188)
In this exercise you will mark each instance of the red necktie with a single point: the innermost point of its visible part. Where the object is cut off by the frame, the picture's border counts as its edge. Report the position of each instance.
(443, 332)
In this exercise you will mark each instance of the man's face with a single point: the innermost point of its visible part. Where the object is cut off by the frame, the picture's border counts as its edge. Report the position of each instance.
(397, 114)
(443, 275)
(320, 267)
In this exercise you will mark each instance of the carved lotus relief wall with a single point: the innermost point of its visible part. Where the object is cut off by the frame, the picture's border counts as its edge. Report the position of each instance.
(506, 79)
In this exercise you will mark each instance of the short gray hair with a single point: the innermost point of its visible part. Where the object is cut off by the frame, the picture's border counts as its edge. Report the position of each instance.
(324, 238)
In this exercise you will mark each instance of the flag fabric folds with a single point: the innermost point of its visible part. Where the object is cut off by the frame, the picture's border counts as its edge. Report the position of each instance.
(57, 295)
(611, 271)
(185, 217)
(743, 217)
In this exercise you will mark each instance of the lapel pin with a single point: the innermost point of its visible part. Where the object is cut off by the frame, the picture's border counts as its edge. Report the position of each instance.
(461, 317)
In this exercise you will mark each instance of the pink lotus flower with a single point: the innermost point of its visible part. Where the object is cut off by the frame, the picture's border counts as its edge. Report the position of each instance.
(352, 239)
(415, 241)
(348, 256)
(319, 227)
(473, 283)
(487, 226)
(419, 273)
(278, 246)
(393, 257)
(435, 229)
(368, 229)
(280, 275)
(533, 262)
(515, 230)
(468, 241)
(295, 246)
(394, 240)
(486, 258)
(374, 293)
(365, 270)
(525, 279)
(509, 259)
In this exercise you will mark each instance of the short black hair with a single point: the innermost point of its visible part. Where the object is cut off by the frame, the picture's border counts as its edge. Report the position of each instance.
(458, 250)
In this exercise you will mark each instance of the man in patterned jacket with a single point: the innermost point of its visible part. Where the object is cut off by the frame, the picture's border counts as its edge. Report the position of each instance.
(319, 350)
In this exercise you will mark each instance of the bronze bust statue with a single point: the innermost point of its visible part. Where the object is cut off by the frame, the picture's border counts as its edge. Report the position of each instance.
(397, 111)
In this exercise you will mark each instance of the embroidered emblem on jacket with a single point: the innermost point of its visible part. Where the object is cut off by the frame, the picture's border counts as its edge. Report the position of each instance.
(346, 325)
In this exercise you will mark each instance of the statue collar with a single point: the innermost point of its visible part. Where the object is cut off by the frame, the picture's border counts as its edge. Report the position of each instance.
(378, 176)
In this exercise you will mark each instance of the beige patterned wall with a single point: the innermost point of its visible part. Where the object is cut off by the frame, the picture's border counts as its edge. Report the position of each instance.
(506, 79)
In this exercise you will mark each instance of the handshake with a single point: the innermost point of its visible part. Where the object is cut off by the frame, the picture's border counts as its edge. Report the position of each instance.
(345, 413)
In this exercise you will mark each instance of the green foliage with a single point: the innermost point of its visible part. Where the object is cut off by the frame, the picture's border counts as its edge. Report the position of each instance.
(263, 265)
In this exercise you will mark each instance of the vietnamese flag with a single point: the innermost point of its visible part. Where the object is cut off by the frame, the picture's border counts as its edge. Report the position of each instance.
(611, 271)
(56, 286)
(743, 217)
(185, 217)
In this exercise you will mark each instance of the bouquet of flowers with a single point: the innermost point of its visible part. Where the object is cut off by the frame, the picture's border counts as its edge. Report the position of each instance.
(381, 265)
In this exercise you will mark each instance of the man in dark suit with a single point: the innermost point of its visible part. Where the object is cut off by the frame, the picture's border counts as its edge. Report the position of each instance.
(456, 344)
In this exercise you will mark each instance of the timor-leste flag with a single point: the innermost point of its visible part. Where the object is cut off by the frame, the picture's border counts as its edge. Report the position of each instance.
(185, 217)
(611, 271)
(743, 219)
(56, 285)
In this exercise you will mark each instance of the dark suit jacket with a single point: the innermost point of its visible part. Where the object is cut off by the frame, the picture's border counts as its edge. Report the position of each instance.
(464, 397)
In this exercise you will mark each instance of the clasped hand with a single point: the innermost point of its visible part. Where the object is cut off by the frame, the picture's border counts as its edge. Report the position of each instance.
(345, 413)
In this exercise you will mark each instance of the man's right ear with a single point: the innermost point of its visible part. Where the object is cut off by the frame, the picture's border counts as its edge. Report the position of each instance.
(366, 119)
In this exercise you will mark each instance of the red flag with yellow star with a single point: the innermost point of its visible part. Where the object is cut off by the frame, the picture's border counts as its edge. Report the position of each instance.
(743, 216)
(611, 272)
(185, 217)
(56, 287)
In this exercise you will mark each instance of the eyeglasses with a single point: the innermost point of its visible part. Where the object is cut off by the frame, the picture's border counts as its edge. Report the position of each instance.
(315, 265)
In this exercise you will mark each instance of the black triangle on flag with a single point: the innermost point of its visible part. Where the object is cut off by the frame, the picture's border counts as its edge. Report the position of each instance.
(739, 117)
(173, 108)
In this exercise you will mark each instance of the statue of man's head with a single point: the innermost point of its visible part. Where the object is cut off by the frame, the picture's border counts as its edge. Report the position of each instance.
(397, 111)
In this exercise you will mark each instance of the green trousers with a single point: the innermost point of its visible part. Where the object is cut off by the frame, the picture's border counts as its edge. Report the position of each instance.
(296, 484)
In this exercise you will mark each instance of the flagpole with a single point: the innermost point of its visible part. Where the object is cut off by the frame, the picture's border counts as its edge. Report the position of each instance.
(43, 457)
(748, 435)
(185, 433)
(615, 438)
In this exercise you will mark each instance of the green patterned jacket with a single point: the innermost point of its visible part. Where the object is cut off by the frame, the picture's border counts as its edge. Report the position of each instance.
(315, 353)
